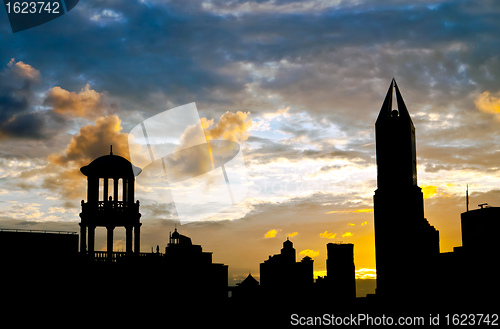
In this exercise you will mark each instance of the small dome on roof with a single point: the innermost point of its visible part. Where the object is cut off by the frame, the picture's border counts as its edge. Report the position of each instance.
(111, 166)
(288, 243)
(176, 234)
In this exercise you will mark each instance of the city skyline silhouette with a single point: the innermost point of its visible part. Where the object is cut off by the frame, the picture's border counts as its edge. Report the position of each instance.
(193, 93)
(194, 281)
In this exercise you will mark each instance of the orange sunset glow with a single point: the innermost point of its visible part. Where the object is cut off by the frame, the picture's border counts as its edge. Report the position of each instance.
(298, 85)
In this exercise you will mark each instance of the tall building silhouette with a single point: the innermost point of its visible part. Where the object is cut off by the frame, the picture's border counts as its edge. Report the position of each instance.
(405, 242)
(341, 278)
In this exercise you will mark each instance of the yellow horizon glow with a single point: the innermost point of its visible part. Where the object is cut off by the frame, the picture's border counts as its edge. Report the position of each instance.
(357, 211)
(309, 252)
(361, 274)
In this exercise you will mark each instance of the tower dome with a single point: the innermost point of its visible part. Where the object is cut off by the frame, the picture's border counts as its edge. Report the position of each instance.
(111, 166)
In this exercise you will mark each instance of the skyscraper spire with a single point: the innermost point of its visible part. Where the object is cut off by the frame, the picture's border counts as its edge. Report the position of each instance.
(385, 111)
(395, 143)
(403, 111)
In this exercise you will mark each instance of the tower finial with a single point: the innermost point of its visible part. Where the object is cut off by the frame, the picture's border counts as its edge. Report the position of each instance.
(111, 150)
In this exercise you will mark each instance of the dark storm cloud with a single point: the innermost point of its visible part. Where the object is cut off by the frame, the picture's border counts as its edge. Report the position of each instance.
(334, 62)
(19, 118)
(132, 49)
(16, 88)
(150, 49)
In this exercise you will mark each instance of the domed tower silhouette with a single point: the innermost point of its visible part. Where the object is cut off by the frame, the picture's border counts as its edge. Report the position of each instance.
(288, 251)
(110, 203)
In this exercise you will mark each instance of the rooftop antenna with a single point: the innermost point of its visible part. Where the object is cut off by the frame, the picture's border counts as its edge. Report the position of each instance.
(111, 150)
(467, 197)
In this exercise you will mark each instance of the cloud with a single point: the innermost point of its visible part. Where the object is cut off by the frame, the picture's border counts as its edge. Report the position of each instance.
(64, 182)
(26, 114)
(189, 161)
(489, 103)
(276, 115)
(18, 118)
(231, 126)
(319, 67)
(347, 234)
(361, 48)
(31, 125)
(23, 70)
(107, 16)
(93, 141)
(291, 235)
(301, 137)
(34, 212)
(87, 103)
(328, 235)
(309, 253)
(24, 210)
(270, 234)
(239, 8)
(429, 191)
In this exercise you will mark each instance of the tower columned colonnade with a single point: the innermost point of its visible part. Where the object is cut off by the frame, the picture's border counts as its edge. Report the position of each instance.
(110, 203)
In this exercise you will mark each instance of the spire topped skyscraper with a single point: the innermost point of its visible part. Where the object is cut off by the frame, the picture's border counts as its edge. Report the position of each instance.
(395, 137)
(405, 243)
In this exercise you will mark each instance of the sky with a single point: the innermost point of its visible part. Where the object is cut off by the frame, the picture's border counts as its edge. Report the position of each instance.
(297, 84)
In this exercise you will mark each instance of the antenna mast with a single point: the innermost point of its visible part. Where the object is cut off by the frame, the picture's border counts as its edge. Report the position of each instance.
(467, 198)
